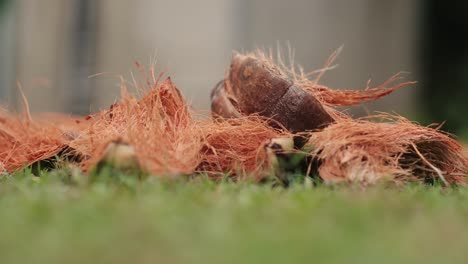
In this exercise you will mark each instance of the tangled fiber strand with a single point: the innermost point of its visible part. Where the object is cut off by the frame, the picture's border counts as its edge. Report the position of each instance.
(24, 141)
(364, 151)
(343, 97)
(330, 98)
(234, 147)
(159, 127)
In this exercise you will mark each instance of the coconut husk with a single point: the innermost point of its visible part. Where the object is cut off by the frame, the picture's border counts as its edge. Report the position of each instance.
(398, 150)
(24, 141)
(159, 127)
(257, 86)
(346, 149)
(258, 102)
(235, 147)
(167, 140)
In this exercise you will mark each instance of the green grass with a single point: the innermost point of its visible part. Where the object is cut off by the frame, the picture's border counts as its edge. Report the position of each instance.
(59, 219)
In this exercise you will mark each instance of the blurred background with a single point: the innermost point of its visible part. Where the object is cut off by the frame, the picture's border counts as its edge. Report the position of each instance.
(52, 47)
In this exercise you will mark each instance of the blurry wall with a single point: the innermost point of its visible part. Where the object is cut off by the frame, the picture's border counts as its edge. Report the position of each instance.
(60, 43)
(191, 40)
(40, 56)
(7, 44)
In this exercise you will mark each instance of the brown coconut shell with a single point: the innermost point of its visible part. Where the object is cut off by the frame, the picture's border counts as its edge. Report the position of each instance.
(221, 105)
(255, 86)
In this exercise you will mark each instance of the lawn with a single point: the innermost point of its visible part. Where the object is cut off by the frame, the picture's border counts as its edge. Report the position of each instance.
(62, 219)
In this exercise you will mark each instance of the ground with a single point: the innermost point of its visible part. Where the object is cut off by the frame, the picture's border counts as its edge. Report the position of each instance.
(120, 219)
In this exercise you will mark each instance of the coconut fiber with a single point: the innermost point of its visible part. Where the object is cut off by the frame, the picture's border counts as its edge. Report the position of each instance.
(262, 112)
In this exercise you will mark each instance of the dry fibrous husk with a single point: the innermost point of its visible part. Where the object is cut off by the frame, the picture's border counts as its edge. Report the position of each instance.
(159, 127)
(167, 140)
(346, 149)
(24, 141)
(365, 151)
(235, 147)
(259, 102)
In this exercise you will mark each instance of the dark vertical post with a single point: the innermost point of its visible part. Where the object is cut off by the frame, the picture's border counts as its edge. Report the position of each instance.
(445, 63)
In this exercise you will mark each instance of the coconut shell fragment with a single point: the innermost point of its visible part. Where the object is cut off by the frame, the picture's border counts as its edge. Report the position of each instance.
(255, 86)
(221, 105)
